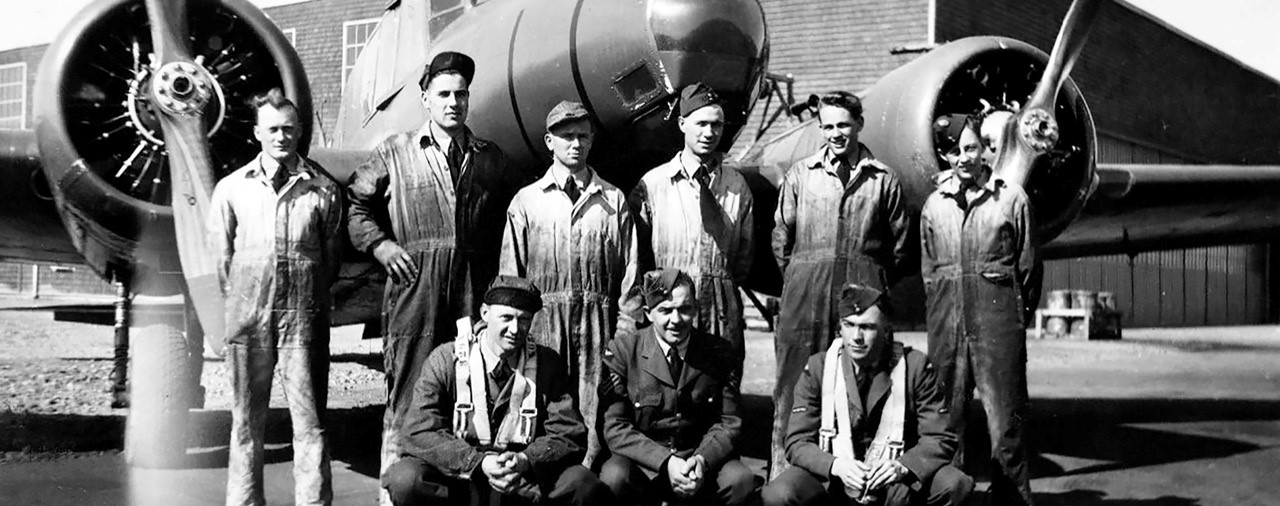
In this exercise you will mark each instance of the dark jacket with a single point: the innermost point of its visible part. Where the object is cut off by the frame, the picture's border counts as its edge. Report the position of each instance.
(427, 433)
(648, 418)
(928, 444)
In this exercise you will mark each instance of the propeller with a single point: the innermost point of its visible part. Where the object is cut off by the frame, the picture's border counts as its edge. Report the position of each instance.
(1033, 131)
(180, 88)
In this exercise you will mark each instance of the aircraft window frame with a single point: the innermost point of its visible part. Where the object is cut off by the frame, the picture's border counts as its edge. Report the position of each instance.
(637, 98)
(349, 60)
(21, 97)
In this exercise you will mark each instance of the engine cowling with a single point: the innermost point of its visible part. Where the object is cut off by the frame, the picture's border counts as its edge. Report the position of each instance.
(100, 141)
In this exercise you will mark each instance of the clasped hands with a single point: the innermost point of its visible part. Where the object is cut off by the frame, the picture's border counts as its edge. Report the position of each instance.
(859, 477)
(686, 475)
(505, 470)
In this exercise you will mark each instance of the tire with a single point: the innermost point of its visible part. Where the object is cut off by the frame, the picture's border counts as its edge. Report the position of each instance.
(155, 432)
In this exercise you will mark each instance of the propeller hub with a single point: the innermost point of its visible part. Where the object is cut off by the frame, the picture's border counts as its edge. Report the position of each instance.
(1039, 130)
(182, 88)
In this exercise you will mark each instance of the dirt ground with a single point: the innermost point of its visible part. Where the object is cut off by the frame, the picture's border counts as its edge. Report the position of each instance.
(1177, 417)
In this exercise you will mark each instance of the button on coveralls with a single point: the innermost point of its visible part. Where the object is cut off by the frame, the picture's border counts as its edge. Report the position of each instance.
(279, 254)
(981, 276)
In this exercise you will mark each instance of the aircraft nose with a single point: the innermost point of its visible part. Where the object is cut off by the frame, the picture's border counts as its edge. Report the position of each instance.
(718, 42)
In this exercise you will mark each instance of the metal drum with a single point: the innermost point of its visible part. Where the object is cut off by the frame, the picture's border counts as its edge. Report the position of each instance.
(1088, 301)
(1056, 326)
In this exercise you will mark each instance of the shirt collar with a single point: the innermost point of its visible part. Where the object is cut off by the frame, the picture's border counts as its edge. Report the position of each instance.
(493, 356)
(686, 168)
(427, 137)
(557, 174)
(682, 348)
(949, 182)
(301, 169)
(826, 159)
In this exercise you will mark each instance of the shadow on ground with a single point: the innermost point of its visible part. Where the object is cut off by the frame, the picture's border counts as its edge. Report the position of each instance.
(1094, 498)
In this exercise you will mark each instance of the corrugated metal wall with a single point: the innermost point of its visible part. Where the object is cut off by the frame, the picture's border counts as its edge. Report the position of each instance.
(1222, 285)
(16, 279)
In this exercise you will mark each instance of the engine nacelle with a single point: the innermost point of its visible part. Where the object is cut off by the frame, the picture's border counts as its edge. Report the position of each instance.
(901, 107)
(100, 140)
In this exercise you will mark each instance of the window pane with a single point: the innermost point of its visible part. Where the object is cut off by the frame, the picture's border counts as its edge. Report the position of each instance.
(13, 100)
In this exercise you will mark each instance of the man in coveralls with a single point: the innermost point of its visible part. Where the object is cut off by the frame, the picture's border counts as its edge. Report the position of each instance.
(885, 440)
(428, 205)
(277, 224)
(982, 279)
(493, 418)
(571, 233)
(840, 219)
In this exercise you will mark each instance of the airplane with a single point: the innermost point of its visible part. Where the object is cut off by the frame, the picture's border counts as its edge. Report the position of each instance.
(140, 108)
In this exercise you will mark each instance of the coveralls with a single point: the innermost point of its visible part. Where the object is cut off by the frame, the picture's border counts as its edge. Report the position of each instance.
(828, 233)
(405, 192)
(583, 257)
(279, 254)
(710, 239)
(982, 276)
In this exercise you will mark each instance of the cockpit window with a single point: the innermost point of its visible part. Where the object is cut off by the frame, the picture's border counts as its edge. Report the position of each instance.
(443, 12)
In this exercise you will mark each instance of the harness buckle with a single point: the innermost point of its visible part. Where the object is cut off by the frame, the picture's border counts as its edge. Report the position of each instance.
(461, 413)
(528, 417)
(825, 437)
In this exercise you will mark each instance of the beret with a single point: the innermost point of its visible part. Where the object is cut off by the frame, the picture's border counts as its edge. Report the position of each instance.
(565, 112)
(515, 292)
(856, 299)
(696, 96)
(657, 285)
(448, 61)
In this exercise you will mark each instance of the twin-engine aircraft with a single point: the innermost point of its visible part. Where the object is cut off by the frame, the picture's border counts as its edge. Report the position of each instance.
(142, 105)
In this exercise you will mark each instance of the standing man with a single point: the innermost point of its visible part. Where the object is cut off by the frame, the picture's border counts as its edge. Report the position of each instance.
(494, 414)
(982, 277)
(571, 233)
(841, 219)
(428, 205)
(868, 424)
(671, 406)
(277, 223)
(694, 215)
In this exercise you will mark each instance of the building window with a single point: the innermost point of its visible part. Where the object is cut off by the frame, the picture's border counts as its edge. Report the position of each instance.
(355, 34)
(13, 95)
(292, 35)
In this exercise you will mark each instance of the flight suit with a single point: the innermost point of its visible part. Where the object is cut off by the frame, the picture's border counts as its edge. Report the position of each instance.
(405, 192)
(710, 239)
(650, 416)
(928, 444)
(827, 234)
(438, 466)
(279, 254)
(982, 276)
(583, 257)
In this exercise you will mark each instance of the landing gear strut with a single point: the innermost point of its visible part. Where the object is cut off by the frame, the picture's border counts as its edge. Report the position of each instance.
(120, 360)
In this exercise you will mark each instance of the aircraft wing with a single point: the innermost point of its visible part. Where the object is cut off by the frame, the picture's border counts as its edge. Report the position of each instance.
(30, 229)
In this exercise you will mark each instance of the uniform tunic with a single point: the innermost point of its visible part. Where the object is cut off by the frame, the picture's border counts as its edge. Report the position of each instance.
(675, 229)
(826, 234)
(982, 276)
(583, 257)
(404, 192)
(279, 254)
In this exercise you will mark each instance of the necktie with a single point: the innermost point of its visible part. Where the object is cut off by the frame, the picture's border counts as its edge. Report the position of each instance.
(571, 189)
(455, 158)
(279, 179)
(843, 170)
(864, 385)
(501, 373)
(675, 363)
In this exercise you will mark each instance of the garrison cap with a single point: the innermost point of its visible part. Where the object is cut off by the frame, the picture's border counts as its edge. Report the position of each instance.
(448, 61)
(857, 299)
(514, 291)
(565, 112)
(696, 96)
(947, 130)
(657, 285)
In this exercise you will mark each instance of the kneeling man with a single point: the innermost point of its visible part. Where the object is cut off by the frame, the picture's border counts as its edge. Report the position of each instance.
(867, 426)
(494, 413)
(670, 395)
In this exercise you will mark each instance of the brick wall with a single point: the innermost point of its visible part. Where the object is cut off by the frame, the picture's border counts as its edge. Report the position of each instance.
(1190, 99)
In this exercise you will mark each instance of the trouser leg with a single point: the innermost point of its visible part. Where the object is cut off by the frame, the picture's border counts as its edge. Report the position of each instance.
(795, 487)
(250, 372)
(578, 486)
(1002, 385)
(624, 479)
(410, 481)
(304, 378)
(961, 382)
(403, 357)
(791, 357)
(735, 485)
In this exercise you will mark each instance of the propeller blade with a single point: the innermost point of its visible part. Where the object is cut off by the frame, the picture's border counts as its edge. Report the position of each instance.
(1034, 129)
(180, 89)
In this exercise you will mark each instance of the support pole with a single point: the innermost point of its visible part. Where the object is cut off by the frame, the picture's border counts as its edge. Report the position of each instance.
(35, 281)
(120, 359)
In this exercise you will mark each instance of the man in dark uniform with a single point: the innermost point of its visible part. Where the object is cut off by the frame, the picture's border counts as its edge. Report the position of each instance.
(495, 414)
(429, 205)
(982, 275)
(670, 394)
(854, 435)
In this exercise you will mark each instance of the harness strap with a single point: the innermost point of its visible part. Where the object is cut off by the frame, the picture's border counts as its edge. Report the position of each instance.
(472, 401)
(835, 434)
(888, 443)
